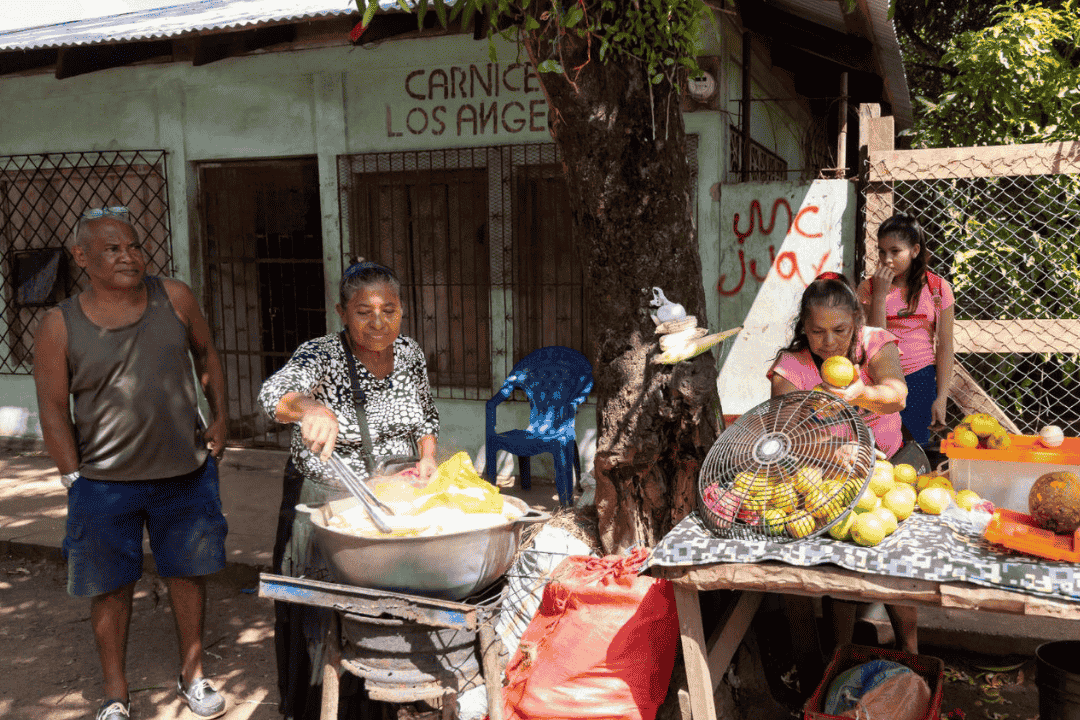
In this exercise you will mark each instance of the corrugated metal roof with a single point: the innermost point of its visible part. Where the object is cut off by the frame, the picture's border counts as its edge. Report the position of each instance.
(886, 47)
(184, 18)
(174, 20)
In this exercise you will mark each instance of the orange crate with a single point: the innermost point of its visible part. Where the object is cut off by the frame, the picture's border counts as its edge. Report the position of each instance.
(1005, 476)
(1018, 531)
(931, 669)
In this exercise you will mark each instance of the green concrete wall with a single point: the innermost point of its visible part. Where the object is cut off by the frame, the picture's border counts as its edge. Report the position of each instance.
(414, 94)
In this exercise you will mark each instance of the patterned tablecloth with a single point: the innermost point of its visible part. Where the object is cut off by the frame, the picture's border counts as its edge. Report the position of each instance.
(926, 547)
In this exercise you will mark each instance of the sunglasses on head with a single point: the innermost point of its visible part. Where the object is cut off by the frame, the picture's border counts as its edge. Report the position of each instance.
(110, 211)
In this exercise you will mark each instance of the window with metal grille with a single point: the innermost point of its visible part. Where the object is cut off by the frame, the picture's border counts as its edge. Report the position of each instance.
(482, 240)
(764, 164)
(41, 198)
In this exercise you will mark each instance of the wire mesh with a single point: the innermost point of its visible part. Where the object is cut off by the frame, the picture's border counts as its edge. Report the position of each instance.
(1004, 229)
(788, 469)
(41, 198)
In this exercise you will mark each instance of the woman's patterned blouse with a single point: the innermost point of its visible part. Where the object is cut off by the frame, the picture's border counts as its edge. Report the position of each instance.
(400, 409)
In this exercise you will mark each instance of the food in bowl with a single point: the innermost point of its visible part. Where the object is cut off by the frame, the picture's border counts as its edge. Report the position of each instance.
(456, 500)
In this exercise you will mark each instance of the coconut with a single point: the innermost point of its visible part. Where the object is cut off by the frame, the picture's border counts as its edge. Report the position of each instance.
(1054, 502)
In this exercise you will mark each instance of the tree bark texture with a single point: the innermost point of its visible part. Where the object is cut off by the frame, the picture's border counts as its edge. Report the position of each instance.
(623, 147)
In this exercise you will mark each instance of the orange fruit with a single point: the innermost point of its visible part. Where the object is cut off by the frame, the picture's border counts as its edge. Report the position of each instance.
(966, 438)
(882, 481)
(900, 500)
(934, 500)
(784, 497)
(904, 473)
(967, 498)
(983, 425)
(888, 519)
(868, 529)
(807, 478)
(838, 371)
(800, 524)
(842, 529)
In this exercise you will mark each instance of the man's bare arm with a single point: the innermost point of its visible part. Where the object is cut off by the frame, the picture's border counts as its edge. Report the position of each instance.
(208, 366)
(53, 390)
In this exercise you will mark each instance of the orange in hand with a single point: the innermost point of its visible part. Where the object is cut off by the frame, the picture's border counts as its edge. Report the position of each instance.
(838, 371)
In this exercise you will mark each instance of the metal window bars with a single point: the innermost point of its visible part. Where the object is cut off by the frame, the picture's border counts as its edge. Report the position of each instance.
(41, 198)
(478, 237)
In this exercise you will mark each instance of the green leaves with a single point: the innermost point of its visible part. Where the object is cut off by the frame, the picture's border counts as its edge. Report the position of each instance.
(663, 35)
(1015, 81)
(548, 66)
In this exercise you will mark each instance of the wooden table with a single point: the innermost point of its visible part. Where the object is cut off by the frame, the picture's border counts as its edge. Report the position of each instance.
(706, 660)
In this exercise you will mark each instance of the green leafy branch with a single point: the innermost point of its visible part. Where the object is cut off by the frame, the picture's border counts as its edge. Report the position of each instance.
(663, 35)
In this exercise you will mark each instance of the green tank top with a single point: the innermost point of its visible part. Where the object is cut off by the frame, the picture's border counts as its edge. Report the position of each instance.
(135, 408)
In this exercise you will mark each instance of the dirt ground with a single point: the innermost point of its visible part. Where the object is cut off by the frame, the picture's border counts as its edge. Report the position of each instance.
(49, 670)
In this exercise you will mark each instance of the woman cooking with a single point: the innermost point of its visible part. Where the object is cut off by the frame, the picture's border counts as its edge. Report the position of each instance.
(315, 392)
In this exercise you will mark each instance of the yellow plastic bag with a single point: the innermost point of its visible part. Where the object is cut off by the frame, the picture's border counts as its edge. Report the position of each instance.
(456, 483)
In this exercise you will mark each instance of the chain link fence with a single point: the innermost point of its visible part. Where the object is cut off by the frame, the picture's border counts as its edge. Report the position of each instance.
(41, 198)
(1003, 227)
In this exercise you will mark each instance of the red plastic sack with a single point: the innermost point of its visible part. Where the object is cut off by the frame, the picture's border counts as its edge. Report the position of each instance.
(602, 644)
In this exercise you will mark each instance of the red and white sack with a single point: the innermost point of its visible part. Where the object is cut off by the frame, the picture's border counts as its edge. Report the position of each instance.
(601, 646)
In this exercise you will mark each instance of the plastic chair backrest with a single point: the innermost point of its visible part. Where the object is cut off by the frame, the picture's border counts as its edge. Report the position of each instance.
(556, 380)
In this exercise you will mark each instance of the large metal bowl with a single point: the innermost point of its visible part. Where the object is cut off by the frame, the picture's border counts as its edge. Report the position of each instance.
(450, 567)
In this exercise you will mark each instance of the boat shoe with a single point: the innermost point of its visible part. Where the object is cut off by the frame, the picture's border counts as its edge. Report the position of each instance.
(114, 710)
(201, 697)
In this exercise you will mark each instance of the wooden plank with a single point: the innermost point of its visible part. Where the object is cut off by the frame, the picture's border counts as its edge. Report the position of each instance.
(1036, 335)
(876, 135)
(698, 679)
(970, 162)
(724, 642)
(851, 585)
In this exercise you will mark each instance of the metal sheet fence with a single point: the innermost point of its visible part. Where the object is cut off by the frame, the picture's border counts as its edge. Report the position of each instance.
(41, 198)
(1003, 227)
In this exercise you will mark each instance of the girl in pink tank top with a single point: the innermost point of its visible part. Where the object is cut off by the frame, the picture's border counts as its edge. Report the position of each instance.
(916, 305)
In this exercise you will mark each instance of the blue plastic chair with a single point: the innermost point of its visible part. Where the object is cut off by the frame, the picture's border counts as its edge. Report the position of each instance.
(556, 380)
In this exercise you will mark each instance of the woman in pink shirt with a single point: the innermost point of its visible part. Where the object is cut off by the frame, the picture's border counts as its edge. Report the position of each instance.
(916, 305)
(830, 322)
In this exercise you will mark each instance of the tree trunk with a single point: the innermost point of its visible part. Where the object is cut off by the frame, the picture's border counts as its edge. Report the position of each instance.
(623, 148)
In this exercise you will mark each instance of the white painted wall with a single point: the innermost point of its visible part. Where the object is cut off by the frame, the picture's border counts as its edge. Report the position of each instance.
(775, 239)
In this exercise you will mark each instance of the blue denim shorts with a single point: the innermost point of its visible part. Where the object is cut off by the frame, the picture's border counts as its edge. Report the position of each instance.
(104, 542)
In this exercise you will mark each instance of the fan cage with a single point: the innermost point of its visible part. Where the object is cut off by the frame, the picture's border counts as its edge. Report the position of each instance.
(789, 469)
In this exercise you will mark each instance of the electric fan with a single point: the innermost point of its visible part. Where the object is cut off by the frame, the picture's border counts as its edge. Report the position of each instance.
(786, 470)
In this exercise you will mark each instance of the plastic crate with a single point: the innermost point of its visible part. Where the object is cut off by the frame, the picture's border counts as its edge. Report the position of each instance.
(1018, 531)
(931, 669)
(1005, 477)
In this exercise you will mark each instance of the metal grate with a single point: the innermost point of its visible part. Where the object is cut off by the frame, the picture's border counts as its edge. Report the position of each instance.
(1005, 232)
(41, 198)
(481, 240)
(764, 164)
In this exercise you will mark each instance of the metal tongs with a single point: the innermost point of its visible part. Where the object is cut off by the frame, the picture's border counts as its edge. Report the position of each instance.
(376, 509)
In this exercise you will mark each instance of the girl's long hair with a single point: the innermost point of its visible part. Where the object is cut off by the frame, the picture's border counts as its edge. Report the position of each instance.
(828, 290)
(910, 231)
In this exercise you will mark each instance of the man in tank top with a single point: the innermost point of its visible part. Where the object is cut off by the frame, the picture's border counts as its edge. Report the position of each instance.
(132, 451)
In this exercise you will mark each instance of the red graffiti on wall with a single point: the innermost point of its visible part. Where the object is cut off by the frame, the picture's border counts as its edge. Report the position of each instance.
(786, 264)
